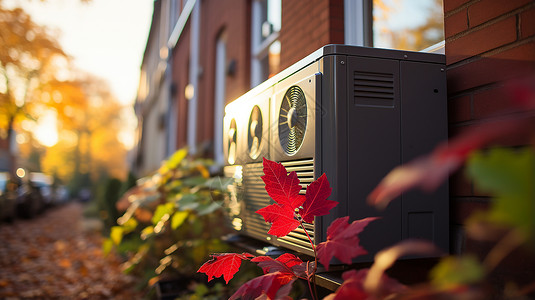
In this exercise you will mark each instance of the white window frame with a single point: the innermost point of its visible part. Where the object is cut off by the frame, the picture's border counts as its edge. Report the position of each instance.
(259, 48)
(219, 96)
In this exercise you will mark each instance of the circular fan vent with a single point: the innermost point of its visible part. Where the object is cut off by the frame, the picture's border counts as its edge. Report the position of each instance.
(292, 120)
(232, 135)
(255, 132)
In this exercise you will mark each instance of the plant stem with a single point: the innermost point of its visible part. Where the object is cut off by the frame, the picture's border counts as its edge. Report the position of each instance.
(313, 292)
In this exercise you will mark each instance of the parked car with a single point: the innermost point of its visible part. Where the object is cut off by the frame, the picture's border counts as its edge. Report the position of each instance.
(8, 197)
(62, 194)
(43, 183)
(29, 199)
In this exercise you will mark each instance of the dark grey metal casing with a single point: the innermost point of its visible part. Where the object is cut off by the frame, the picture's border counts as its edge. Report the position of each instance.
(370, 111)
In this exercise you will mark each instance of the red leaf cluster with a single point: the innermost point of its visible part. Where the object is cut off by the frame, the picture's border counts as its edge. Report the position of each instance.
(342, 241)
(224, 264)
(353, 288)
(286, 264)
(284, 189)
(271, 286)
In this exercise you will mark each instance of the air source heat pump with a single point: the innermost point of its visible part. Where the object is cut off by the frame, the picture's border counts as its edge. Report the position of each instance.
(353, 113)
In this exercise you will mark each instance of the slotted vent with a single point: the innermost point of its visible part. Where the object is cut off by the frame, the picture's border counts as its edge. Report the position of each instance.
(257, 198)
(305, 172)
(373, 88)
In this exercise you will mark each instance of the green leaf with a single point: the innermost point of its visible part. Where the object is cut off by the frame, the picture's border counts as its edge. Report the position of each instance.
(174, 160)
(129, 225)
(161, 211)
(147, 232)
(116, 234)
(194, 181)
(208, 209)
(188, 202)
(178, 219)
(454, 271)
(107, 245)
(509, 175)
(219, 183)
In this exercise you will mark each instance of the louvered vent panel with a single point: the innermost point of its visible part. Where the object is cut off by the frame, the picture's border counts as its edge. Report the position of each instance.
(373, 89)
(257, 198)
(305, 172)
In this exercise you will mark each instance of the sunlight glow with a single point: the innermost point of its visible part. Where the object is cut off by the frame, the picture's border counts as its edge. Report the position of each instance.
(46, 132)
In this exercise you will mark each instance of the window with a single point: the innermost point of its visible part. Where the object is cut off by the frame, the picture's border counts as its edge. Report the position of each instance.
(219, 96)
(266, 24)
(396, 24)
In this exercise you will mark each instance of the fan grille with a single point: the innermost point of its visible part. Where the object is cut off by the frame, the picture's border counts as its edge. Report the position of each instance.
(232, 136)
(292, 120)
(255, 132)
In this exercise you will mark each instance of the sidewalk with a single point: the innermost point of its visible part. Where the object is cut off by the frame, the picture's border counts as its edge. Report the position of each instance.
(51, 257)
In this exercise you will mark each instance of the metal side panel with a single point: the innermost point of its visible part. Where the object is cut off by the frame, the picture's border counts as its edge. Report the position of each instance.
(373, 145)
(424, 126)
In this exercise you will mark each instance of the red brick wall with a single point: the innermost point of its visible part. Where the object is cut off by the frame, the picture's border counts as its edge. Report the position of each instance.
(309, 25)
(233, 17)
(180, 79)
(487, 43)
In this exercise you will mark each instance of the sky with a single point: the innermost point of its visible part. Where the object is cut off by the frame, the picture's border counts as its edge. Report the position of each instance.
(106, 38)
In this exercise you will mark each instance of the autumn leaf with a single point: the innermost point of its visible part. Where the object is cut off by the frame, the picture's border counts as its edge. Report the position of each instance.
(281, 218)
(509, 175)
(286, 263)
(282, 187)
(316, 203)
(223, 264)
(272, 286)
(452, 272)
(342, 241)
(352, 287)
(386, 258)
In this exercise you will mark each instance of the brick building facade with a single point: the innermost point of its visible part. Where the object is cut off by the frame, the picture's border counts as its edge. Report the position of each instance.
(487, 42)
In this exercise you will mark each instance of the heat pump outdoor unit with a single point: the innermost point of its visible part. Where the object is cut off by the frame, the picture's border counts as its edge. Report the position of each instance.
(353, 113)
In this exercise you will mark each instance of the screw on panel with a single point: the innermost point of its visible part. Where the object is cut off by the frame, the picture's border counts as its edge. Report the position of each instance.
(342, 62)
(442, 70)
(405, 56)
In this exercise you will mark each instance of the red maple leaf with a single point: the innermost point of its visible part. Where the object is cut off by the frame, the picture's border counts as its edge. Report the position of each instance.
(223, 264)
(282, 187)
(286, 263)
(316, 203)
(281, 218)
(342, 241)
(353, 287)
(272, 286)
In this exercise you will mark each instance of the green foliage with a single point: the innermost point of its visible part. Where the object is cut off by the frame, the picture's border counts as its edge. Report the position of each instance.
(107, 197)
(508, 174)
(173, 220)
(452, 272)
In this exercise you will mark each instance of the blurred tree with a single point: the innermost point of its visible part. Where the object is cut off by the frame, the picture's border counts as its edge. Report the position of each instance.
(29, 58)
(88, 125)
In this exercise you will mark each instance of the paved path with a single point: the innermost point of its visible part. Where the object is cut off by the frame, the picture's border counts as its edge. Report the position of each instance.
(51, 257)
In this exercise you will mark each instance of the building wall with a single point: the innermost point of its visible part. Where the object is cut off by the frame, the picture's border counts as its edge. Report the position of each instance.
(180, 73)
(233, 18)
(487, 43)
(153, 94)
(308, 27)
